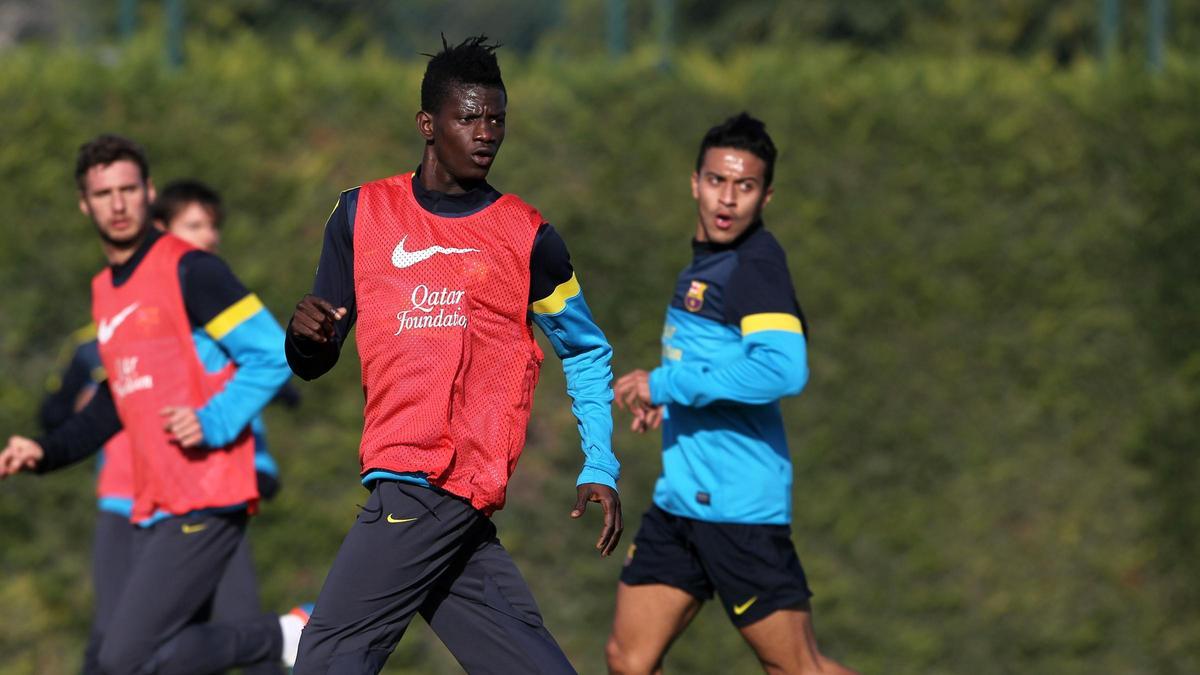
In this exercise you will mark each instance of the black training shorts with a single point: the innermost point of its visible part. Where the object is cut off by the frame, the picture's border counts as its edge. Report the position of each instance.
(754, 568)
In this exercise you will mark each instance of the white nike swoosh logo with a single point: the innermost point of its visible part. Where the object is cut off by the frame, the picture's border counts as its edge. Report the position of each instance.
(402, 258)
(105, 330)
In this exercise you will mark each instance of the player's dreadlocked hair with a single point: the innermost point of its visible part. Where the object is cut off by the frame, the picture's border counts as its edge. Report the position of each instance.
(741, 132)
(106, 149)
(472, 61)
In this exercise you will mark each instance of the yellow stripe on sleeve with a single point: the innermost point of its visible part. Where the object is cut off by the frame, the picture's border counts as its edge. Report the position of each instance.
(557, 301)
(755, 323)
(233, 316)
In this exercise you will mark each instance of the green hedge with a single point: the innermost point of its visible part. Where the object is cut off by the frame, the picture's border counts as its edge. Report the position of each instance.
(994, 456)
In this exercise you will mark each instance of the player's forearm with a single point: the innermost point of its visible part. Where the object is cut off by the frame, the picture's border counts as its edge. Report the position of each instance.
(773, 365)
(586, 357)
(56, 408)
(308, 359)
(255, 346)
(82, 434)
(59, 405)
(594, 417)
(588, 383)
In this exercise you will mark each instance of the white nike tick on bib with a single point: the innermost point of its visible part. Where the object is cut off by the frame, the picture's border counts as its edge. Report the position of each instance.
(105, 330)
(402, 258)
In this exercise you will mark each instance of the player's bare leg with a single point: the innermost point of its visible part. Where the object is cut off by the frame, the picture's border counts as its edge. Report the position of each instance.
(648, 619)
(786, 645)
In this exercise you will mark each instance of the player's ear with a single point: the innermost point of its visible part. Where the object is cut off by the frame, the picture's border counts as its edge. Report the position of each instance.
(83, 205)
(695, 185)
(425, 125)
(767, 197)
(151, 193)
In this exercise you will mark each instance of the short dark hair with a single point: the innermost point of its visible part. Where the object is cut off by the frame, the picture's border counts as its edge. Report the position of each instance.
(177, 195)
(472, 61)
(106, 149)
(741, 132)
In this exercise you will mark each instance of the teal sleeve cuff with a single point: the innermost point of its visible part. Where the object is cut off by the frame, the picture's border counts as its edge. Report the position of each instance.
(592, 474)
(658, 386)
(210, 425)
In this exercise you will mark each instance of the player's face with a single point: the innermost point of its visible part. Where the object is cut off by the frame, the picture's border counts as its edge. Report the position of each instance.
(117, 199)
(466, 132)
(730, 193)
(195, 225)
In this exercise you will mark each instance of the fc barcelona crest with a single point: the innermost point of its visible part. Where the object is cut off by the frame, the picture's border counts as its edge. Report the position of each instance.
(695, 296)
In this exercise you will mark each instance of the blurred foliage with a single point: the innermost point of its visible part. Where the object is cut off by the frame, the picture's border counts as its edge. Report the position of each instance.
(1061, 31)
(995, 457)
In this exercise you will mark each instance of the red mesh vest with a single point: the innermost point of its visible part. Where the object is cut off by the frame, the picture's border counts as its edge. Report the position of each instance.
(116, 474)
(449, 362)
(146, 346)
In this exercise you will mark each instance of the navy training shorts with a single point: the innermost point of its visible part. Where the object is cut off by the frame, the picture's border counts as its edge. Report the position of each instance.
(754, 568)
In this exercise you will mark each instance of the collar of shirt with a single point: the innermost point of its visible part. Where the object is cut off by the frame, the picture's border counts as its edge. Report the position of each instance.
(703, 248)
(122, 272)
(444, 204)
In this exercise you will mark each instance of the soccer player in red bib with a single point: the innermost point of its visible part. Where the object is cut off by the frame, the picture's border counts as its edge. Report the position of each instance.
(443, 276)
(193, 212)
(191, 358)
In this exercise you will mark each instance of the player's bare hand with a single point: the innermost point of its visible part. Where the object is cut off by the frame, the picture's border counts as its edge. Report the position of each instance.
(646, 419)
(21, 454)
(632, 391)
(315, 319)
(613, 524)
(182, 424)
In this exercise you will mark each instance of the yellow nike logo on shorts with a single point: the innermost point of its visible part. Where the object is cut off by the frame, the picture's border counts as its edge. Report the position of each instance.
(739, 610)
(193, 529)
(393, 519)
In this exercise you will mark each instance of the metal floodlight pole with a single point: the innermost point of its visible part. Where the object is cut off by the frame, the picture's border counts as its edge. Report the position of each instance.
(664, 17)
(1109, 28)
(126, 18)
(1156, 33)
(175, 15)
(618, 42)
